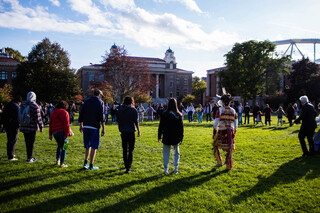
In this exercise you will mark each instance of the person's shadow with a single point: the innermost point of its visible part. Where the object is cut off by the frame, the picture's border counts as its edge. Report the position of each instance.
(288, 172)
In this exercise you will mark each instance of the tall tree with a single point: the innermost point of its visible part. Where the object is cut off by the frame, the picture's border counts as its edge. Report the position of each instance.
(47, 72)
(127, 75)
(198, 86)
(16, 54)
(304, 80)
(247, 64)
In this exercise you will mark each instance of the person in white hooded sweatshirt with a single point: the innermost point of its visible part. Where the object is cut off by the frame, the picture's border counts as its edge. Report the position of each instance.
(30, 128)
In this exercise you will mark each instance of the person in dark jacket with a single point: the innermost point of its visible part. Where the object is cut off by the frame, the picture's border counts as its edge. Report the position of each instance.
(267, 113)
(91, 118)
(255, 111)
(290, 113)
(307, 116)
(10, 117)
(128, 123)
(246, 113)
(171, 128)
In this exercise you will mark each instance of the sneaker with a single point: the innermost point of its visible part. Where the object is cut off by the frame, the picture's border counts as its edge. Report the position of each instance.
(128, 171)
(175, 172)
(166, 172)
(63, 166)
(58, 162)
(93, 168)
(31, 160)
(218, 165)
(85, 166)
(13, 159)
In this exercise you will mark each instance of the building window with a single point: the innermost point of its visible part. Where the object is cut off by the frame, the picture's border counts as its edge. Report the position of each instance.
(171, 95)
(101, 77)
(178, 94)
(3, 75)
(185, 92)
(171, 84)
(91, 77)
(178, 80)
(185, 81)
(14, 74)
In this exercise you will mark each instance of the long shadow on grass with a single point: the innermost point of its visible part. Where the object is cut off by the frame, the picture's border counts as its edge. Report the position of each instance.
(81, 197)
(288, 172)
(27, 180)
(161, 192)
(44, 188)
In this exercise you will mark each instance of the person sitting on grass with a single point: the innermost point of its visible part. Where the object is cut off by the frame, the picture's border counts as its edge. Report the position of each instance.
(60, 129)
(226, 120)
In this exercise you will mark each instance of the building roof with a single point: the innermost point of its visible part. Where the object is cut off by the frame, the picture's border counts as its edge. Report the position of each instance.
(6, 61)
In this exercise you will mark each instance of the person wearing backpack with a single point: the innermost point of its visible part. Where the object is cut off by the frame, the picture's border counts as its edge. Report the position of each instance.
(30, 121)
(10, 117)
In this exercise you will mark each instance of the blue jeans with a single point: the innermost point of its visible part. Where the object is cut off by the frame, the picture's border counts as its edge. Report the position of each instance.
(200, 118)
(190, 116)
(166, 155)
(113, 118)
(61, 154)
(239, 118)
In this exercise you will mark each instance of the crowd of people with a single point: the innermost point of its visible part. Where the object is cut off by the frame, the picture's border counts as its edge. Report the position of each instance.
(29, 117)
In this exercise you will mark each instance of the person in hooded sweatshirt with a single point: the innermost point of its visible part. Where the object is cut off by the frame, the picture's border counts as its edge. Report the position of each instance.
(29, 130)
(171, 132)
(128, 123)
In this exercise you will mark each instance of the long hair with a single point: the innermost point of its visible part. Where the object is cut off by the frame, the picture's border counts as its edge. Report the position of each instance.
(173, 106)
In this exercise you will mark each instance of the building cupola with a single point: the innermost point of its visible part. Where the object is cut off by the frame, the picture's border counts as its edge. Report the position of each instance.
(170, 59)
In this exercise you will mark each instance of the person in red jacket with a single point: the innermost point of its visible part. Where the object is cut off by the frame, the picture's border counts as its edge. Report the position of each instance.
(59, 127)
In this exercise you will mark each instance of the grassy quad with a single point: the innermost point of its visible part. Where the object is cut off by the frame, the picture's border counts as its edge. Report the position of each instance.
(269, 175)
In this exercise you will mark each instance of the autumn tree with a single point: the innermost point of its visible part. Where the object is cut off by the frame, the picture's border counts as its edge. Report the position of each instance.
(247, 66)
(127, 75)
(5, 93)
(188, 99)
(47, 72)
(304, 80)
(105, 87)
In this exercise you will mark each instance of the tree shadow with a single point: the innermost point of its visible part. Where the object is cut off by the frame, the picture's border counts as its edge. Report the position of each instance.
(161, 192)
(288, 172)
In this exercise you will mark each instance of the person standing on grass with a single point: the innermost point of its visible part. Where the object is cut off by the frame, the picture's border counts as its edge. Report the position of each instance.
(226, 120)
(190, 110)
(150, 112)
(240, 111)
(141, 113)
(259, 118)
(280, 114)
(128, 124)
(199, 112)
(255, 110)
(246, 111)
(171, 128)
(10, 116)
(91, 118)
(30, 125)
(59, 127)
(307, 116)
(267, 113)
(290, 114)
(207, 111)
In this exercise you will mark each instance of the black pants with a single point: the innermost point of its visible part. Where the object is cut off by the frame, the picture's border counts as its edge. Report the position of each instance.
(30, 138)
(267, 119)
(246, 118)
(12, 136)
(128, 141)
(309, 135)
(208, 117)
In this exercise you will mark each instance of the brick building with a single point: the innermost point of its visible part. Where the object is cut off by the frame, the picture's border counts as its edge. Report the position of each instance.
(170, 80)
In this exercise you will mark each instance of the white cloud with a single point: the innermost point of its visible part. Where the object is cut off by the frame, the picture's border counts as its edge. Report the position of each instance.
(119, 18)
(190, 4)
(55, 2)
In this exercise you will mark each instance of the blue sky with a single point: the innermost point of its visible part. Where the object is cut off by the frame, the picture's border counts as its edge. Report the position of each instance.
(200, 32)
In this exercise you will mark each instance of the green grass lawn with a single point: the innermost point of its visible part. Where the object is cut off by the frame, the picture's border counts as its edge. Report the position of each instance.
(269, 175)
